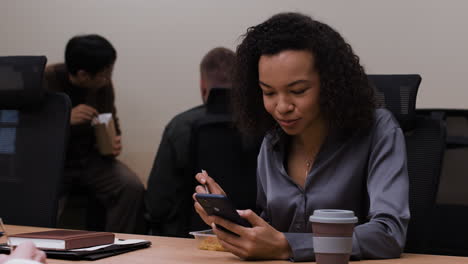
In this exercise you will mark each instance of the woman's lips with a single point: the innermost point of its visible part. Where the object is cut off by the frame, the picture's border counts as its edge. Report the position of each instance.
(287, 123)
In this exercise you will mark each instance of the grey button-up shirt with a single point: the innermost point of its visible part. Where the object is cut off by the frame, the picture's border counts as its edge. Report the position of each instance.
(365, 173)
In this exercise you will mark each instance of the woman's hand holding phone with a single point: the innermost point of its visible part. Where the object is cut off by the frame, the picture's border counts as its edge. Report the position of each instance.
(261, 241)
(213, 188)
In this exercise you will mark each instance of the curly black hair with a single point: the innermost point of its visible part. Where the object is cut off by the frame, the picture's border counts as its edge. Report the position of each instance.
(346, 97)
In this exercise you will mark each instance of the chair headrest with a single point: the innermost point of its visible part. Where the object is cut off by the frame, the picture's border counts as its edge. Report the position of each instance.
(21, 81)
(398, 94)
(218, 100)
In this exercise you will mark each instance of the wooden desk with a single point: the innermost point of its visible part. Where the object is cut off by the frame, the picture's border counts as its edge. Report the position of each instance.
(178, 250)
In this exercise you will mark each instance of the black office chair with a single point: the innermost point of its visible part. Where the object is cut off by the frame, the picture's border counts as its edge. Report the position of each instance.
(451, 211)
(229, 157)
(425, 146)
(33, 131)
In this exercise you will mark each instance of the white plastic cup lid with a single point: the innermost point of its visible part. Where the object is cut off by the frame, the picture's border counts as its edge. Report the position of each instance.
(333, 216)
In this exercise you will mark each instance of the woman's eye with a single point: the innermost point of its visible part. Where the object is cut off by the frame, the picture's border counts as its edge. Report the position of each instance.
(268, 93)
(298, 91)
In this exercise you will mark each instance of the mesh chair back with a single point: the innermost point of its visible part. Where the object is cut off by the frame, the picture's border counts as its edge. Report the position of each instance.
(33, 131)
(450, 231)
(425, 146)
(398, 94)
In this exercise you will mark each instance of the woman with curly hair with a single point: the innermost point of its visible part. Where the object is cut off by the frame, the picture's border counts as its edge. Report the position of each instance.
(326, 145)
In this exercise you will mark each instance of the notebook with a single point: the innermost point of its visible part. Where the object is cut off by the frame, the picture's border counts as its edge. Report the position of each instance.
(63, 239)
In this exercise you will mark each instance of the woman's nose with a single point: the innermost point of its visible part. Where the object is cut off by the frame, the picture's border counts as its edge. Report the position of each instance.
(284, 106)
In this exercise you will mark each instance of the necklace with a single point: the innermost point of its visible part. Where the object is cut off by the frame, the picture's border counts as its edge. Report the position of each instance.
(308, 158)
(309, 163)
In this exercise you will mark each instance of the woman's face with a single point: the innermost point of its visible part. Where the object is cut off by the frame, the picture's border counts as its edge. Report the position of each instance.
(99, 80)
(291, 89)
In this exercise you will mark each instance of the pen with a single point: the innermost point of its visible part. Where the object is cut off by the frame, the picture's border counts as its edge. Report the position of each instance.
(204, 185)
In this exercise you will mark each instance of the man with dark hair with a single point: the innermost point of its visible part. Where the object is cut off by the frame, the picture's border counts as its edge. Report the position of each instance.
(169, 189)
(86, 79)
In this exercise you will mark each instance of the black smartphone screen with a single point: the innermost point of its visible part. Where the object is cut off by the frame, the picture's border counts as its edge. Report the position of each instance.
(220, 205)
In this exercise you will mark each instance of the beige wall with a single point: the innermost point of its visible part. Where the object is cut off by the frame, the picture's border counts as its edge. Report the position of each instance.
(160, 44)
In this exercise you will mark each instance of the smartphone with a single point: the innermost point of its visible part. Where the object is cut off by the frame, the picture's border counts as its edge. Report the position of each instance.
(220, 205)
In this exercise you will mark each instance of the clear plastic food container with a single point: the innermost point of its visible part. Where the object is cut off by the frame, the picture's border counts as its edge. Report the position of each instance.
(207, 240)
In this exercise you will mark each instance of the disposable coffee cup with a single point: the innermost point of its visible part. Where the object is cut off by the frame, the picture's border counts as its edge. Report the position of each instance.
(332, 235)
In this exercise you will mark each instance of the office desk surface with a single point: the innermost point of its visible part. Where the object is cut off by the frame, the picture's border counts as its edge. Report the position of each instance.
(178, 250)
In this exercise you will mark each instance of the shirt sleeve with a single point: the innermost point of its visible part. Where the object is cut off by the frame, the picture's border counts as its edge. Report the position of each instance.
(116, 121)
(114, 109)
(302, 246)
(384, 235)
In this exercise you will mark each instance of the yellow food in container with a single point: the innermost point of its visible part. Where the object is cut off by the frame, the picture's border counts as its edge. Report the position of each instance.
(207, 240)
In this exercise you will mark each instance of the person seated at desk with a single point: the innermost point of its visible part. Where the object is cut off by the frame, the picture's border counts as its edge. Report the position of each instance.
(25, 253)
(326, 145)
(170, 184)
(86, 79)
